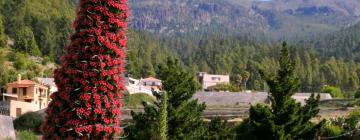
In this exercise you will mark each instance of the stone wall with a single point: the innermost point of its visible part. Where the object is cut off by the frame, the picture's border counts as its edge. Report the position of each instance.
(5, 108)
(6, 128)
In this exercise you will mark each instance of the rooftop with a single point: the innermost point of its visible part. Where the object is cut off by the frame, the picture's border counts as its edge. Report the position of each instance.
(25, 82)
(151, 79)
(46, 81)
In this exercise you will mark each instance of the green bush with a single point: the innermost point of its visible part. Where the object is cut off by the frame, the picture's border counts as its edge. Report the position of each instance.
(354, 119)
(357, 95)
(135, 100)
(335, 92)
(332, 130)
(218, 129)
(21, 61)
(29, 121)
(26, 135)
(223, 87)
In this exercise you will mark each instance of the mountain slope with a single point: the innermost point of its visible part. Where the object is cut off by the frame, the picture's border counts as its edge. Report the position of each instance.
(280, 18)
(344, 44)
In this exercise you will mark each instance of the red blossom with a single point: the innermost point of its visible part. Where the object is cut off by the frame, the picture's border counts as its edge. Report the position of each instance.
(84, 85)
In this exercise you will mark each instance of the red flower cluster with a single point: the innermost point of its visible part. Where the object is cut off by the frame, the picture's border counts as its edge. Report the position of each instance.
(90, 83)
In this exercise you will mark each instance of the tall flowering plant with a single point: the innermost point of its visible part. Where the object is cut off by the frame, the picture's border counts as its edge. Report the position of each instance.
(87, 105)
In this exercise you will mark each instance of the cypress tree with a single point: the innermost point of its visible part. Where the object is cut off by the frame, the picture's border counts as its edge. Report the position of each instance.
(284, 118)
(163, 117)
(184, 117)
(88, 103)
(2, 31)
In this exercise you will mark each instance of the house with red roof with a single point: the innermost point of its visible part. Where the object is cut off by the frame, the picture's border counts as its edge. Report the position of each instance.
(23, 96)
(151, 83)
(147, 85)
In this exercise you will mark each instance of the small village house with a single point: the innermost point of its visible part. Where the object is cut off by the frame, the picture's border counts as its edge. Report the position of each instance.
(49, 82)
(147, 85)
(23, 96)
(208, 80)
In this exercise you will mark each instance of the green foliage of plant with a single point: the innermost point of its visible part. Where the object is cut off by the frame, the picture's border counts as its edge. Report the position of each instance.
(49, 22)
(25, 41)
(26, 135)
(218, 129)
(354, 119)
(185, 119)
(20, 61)
(163, 117)
(331, 131)
(143, 54)
(29, 121)
(357, 94)
(4, 70)
(335, 92)
(136, 100)
(223, 87)
(341, 128)
(2, 32)
(284, 118)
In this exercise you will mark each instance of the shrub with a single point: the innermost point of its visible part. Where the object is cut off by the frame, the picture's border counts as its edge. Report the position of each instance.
(26, 135)
(29, 121)
(332, 130)
(224, 87)
(357, 95)
(218, 129)
(335, 92)
(134, 100)
(354, 119)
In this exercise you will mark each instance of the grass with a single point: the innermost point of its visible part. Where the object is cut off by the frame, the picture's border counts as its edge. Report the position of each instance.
(136, 100)
(26, 135)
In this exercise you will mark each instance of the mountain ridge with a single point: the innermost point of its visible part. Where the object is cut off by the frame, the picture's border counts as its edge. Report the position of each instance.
(279, 18)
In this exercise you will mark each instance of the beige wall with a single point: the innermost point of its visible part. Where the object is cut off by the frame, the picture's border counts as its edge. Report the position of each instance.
(212, 80)
(38, 94)
(25, 107)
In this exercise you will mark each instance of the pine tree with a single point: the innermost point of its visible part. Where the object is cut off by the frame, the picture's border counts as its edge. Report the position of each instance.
(246, 76)
(2, 31)
(88, 103)
(284, 118)
(25, 41)
(163, 117)
(185, 116)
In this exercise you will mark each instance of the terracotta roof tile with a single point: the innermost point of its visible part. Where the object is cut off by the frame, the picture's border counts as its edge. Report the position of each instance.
(151, 79)
(26, 82)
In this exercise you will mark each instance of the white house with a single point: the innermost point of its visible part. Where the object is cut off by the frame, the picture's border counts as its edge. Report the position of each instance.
(50, 82)
(147, 85)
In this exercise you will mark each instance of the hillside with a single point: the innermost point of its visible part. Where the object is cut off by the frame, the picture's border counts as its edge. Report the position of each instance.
(37, 29)
(344, 43)
(275, 18)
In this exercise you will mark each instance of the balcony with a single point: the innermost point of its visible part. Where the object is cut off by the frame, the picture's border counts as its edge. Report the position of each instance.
(10, 95)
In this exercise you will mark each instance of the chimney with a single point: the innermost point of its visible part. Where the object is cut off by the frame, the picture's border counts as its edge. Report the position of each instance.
(19, 78)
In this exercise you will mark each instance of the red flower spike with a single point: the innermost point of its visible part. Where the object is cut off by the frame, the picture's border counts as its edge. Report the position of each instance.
(90, 88)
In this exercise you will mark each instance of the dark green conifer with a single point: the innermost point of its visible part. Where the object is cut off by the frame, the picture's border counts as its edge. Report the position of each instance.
(184, 115)
(284, 119)
(163, 117)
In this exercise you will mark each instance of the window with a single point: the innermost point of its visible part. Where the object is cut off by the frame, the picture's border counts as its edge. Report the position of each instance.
(153, 83)
(14, 90)
(24, 91)
(215, 78)
(18, 112)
